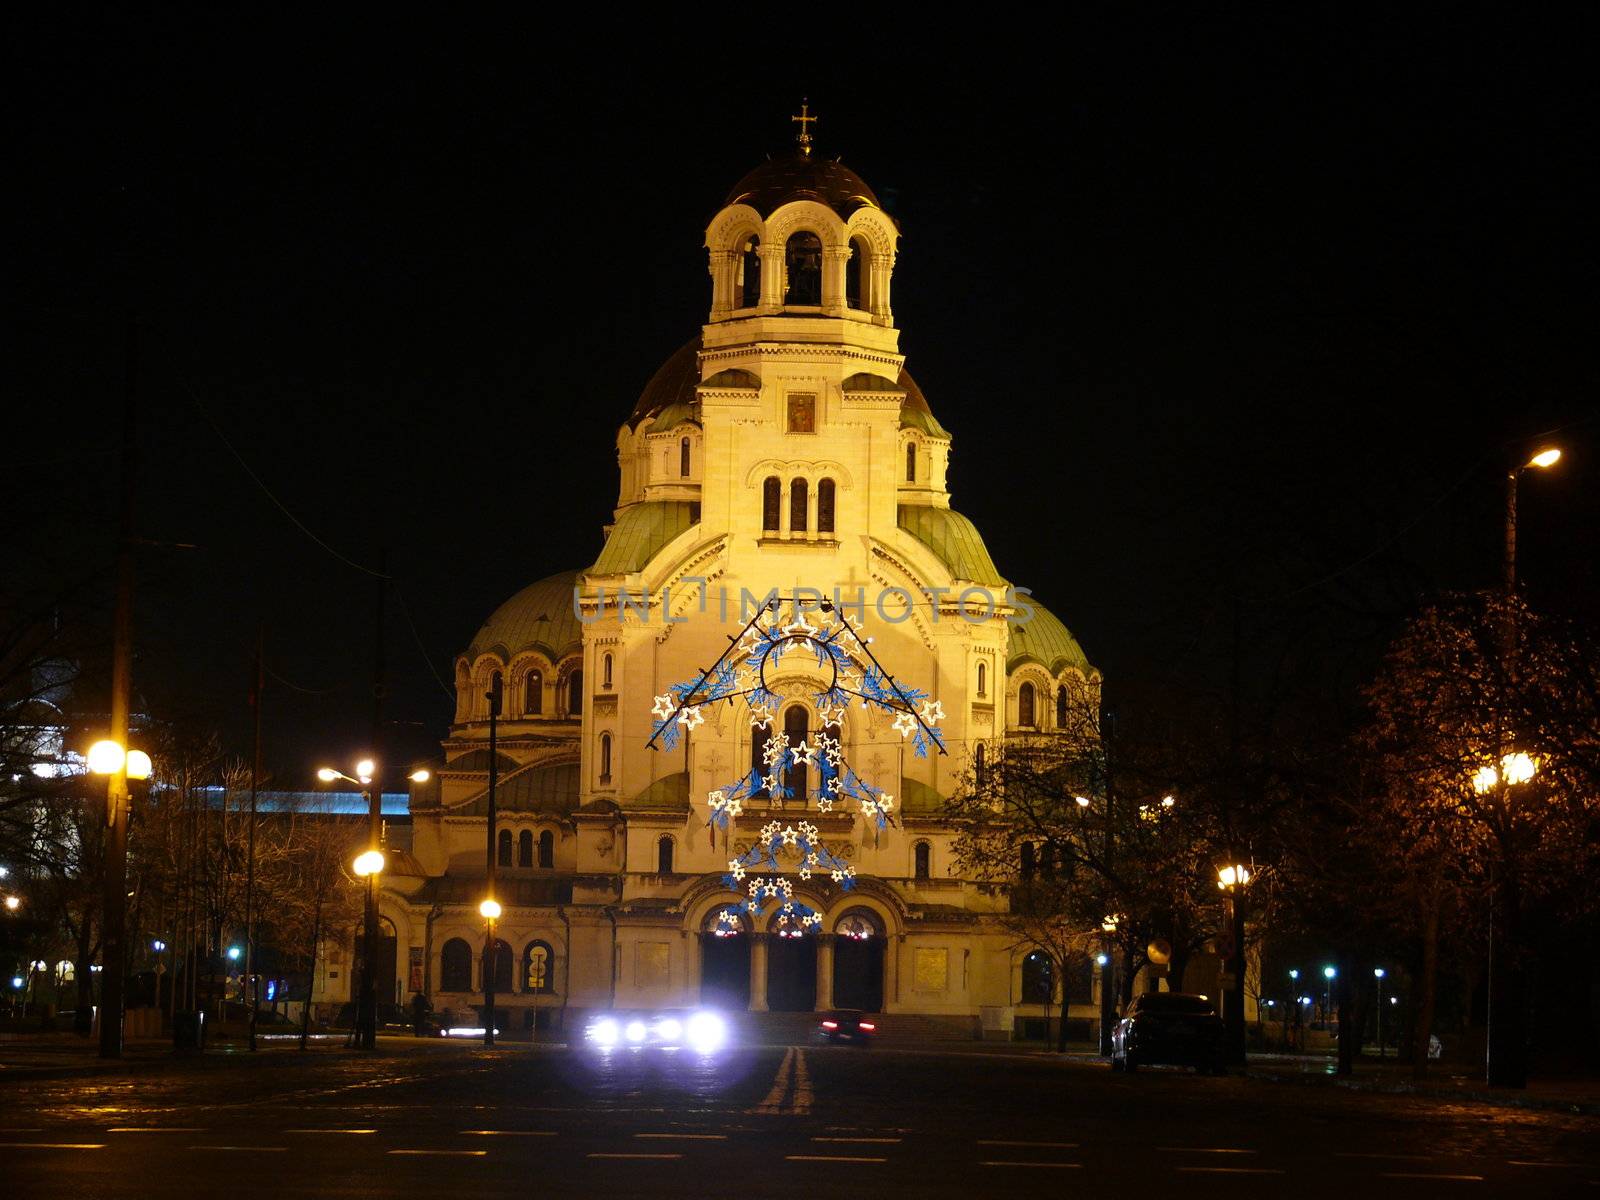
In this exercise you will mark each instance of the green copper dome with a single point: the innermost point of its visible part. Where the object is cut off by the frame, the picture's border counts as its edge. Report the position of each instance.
(1045, 640)
(539, 616)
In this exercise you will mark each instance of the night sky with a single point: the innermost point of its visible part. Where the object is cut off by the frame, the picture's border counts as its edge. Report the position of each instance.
(1213, 307)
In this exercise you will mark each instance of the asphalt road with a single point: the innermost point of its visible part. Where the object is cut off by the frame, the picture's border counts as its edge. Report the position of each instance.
(452, 1120)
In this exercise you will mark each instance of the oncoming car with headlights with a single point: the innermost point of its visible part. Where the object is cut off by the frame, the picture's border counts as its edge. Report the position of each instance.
(700, 1030)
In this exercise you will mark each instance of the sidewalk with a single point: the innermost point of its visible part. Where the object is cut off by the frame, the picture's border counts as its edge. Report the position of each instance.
(1445, 1081)
(34, 1056)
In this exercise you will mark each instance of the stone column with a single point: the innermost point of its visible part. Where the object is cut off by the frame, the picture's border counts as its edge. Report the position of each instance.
(758, 972)
(824, 971)
(722, 267)
(772, 281)
(834, 263)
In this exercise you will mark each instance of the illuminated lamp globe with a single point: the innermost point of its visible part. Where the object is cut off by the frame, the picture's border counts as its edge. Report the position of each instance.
(1545, 458)
(106, 757)
(327, 774)
(365, 768)
(490, 910)
(139, 766)
(420, 775)
(369, 862)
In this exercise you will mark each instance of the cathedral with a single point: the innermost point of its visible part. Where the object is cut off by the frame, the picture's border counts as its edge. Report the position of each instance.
(783, 449)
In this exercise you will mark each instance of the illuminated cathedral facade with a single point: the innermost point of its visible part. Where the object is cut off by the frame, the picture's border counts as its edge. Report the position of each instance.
(783, 448)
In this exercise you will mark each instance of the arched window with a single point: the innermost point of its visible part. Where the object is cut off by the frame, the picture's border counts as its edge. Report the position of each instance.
(547, 850)
(911, 462)
(760, 736)
(1038, 978)
(455, 966)
(983, 679)
(525, 848)
(798, 494)
(1027, 860)
(533, 692)
(1061, 707)
(922, 858)
(750, 275)
(771, 503)
(605, 757)
(980, 765)
(538, 975)
(1025, 713)
(502, 850)
(825, 490)
(504, 969)
(605, 672)
(796, 724)
(856, 273)
(683, 458)
(575, 694)
(803, 259)
(664, 855)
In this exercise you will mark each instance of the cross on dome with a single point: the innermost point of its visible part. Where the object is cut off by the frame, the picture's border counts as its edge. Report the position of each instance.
(805, 120)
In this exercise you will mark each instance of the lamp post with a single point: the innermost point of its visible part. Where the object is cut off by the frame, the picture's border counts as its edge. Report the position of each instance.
(1327, 1005)
(119, 765)
(370, 865)
(1377, 973)
(1543, 460)
(1232, 879)
(1294, 986)
(490, 911)
(1505, 1055)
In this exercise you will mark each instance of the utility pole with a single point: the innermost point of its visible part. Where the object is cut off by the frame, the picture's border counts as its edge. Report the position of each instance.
(114, 953)
(250, 853)
(367, 1009)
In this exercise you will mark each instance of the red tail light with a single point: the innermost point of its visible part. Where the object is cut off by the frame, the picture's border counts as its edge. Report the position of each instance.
(868, 1026)
(830, 1024)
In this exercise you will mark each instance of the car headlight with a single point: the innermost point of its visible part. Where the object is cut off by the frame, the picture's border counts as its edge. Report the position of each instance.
(604, 1032)
(669, 1029)
(636, 1031)
(707, 1032)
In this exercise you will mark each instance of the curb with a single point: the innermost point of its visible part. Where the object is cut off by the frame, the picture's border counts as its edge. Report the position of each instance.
(1406, 1088)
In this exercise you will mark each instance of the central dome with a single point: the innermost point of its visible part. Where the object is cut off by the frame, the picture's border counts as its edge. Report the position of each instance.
(802, 177)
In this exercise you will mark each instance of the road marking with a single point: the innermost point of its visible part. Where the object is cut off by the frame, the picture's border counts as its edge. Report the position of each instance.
(1522, 1162)
(1231, 1170)
(831, 1158)
(1041, 1145)
(1201, 1150)
(686, 1137)
(780, 1086)
(600, 1155)
(261, 1149)
(802, 1087)
(1360, 1154)
(508, 1133)
(1431, 1175)
(53, 1145)
(330, 1131)
(887, 1141)
(157, 1129)
(1060, 1166)
(443, 1153)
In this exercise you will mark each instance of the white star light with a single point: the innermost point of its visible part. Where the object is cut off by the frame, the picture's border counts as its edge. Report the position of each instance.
(663, 706)
(905, 724)
(932, 712)
(736, 868)
(691, 716)
(760, 716)
(803, 753)
(825, 804)
(800, 629)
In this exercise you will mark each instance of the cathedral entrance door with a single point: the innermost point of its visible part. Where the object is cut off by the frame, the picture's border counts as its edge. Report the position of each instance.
(858, 961)
(791, 973)
(725, 970)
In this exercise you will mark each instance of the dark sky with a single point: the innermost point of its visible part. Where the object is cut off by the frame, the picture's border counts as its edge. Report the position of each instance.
(1213, 306)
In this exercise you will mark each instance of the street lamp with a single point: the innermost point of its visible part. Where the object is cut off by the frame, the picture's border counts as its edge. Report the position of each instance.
(119, 765)
(1505, 1056)
(368, 865)
(1328, 974)
(1377, 973)
(489, 910)
(1544, 459)
(1232, 878)
(13, 903)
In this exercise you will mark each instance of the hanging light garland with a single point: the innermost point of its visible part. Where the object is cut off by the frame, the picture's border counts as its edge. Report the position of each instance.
(836, 646)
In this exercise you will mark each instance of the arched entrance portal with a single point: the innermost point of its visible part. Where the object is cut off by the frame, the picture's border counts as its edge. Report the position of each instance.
(791, 971)
(858, 961)
(384, 960)
(725, 966)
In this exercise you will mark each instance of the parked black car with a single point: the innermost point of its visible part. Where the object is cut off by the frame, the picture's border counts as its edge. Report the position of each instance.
(848, 1025)
(1170, 1027)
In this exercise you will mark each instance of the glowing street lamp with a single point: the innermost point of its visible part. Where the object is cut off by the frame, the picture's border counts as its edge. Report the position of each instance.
(1232, 879)
(13, 903)
(490, 911)
(1543, 460)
